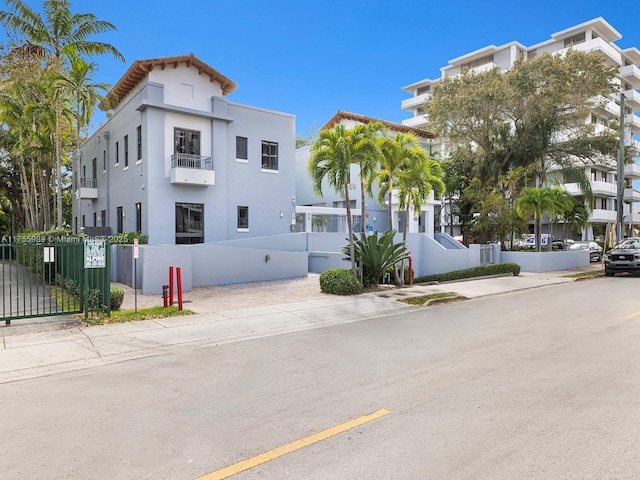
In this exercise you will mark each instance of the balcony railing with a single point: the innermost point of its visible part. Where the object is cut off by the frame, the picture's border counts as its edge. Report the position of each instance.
(189, 160)
(87, 182)
(190, 169)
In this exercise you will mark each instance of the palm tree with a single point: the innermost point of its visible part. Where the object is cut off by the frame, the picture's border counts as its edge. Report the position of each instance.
(57, 36)
(397, 153)
(415, 184)
(332, 154)
(536, 201)
(77, 84)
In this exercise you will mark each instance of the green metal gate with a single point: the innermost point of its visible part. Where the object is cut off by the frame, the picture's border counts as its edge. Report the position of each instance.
(46, 276)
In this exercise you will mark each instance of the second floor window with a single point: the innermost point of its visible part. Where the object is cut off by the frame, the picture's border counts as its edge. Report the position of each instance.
(117, 153)
(241, 148)
(126, 150)
(139, 134)
(187, 141)
(269, 155)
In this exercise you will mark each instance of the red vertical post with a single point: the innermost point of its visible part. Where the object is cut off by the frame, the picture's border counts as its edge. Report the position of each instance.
(410, 270)
(179, 281)
(171, 286)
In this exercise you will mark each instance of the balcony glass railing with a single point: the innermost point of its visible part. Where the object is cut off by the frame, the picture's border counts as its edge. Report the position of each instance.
(189, 160)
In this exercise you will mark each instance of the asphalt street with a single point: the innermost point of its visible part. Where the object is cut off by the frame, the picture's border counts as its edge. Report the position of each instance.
(540, 383)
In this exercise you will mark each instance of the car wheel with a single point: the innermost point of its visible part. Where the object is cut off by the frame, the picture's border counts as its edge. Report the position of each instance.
(609, 273)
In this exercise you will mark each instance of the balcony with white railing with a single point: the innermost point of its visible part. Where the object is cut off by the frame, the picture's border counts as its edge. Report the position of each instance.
(631, 75)
(88, 188)
(632, 100)
(190, 169)
(632, 121)
(631, 195)
(632, 170)
(602, 216)
(633, 217)
(419, 121)
(603, 189)
(417, 101)
(612, 56)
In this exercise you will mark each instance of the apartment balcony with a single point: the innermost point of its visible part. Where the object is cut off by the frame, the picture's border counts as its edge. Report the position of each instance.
(189, 169)
(632, 170)
(602, 189)
(631, 195)
(632, 121)
(88, 188)
(602, 216)
(633, 218)
(631, 75)
(411, 103)
(416, 122)
(612, 56)
(632, 100)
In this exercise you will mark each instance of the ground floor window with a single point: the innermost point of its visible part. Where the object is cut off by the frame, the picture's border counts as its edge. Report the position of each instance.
(139, 217)
(243, 218)
(120, 220)
(189, 223)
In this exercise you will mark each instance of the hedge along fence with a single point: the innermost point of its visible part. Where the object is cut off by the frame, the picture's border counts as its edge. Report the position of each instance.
(483, 271)
(95, 295)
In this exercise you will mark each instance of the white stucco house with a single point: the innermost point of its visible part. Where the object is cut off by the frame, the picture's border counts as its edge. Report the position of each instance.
(178, 162)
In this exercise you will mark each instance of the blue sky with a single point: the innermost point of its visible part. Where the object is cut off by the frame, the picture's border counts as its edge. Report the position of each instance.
(312, 59)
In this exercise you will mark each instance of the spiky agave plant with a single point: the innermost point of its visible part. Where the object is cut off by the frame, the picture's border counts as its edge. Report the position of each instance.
(378, 254)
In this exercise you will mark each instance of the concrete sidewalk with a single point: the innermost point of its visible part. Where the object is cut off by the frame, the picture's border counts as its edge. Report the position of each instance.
(42, 353)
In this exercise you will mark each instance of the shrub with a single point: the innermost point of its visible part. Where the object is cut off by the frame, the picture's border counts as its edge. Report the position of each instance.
(496, 269)
(117, 296)
(339, 281)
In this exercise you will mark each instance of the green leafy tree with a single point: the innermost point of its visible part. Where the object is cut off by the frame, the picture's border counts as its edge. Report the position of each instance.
(57, 36)
(537, 201)
(415, 184)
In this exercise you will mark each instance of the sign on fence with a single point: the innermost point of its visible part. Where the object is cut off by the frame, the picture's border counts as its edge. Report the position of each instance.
(95, 253)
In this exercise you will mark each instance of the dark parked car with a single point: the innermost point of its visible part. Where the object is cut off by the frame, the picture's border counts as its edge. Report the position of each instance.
(595, 250)
(623, 257)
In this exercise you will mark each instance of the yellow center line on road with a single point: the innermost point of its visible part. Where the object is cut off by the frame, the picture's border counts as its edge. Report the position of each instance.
(632, 315)
(292, 447)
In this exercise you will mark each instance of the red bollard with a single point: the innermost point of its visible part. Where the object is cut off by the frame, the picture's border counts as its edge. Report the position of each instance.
(171, 285)
(179, 281)
(165, 295)
(410, 271)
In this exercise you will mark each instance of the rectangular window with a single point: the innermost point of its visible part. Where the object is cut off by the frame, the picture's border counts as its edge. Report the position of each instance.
(83, 222)
(139, 134)
(126, 151)
(243, 218)
(269, 155)
(189, 223)
(241, 148)
(139, 217)
(104, 161)
(120, 213)
(94, 172)
(117, 153)
(186, 141)
(603, 203)
(95, 219)
(103, 217)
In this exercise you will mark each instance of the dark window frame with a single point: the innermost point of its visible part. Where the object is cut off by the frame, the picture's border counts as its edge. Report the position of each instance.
(126, 151)
(139, 135)
(189, 223)
(243, 218)
(189, 142)
(242, 148)
(269, 155)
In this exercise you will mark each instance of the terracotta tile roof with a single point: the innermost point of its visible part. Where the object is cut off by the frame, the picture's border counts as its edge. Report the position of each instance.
(397, 127)
(140, 68)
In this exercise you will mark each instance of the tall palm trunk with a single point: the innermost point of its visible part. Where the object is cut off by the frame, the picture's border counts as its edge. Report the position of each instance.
(350, 229)
(58, 164)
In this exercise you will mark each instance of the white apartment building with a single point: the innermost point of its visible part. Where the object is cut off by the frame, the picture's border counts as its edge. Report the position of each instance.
(595, 35)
